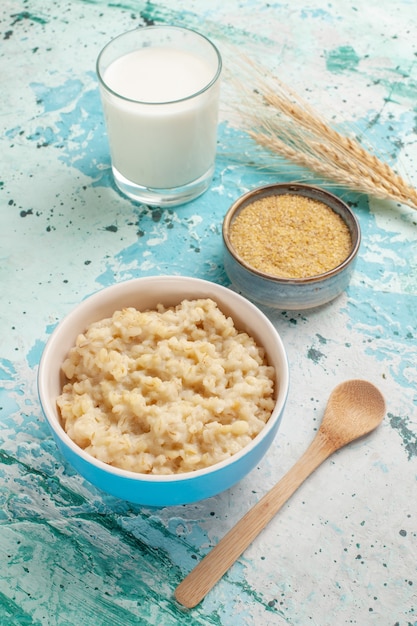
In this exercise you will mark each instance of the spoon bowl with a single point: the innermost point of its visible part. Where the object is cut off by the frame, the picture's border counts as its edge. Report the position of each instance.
(354, 409)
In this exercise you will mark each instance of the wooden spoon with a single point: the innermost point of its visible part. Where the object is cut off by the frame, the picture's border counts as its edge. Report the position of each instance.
(354, 409)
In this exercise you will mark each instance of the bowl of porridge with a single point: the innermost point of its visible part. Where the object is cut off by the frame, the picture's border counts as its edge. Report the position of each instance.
(290, 246)
(164, 390)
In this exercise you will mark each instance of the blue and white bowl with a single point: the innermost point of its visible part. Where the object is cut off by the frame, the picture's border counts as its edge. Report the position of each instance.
(285, 293)
(146, 293)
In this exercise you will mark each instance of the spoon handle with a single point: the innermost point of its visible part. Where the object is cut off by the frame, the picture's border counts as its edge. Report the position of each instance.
(216, 563)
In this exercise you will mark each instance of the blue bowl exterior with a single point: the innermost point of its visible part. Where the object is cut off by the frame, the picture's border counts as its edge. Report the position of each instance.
(156, 490)
(289, 295)
(159, 494)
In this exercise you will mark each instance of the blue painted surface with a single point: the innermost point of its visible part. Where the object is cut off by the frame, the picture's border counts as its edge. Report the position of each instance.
(343, 550)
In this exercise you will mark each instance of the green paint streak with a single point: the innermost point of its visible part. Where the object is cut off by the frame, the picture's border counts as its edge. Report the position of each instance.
(247, 591)
(25, 15)
(94, 577)
(112, 526)
(147, 582)
(342, 59)
(12, 615)
(152, 14)
(49, 484)
(117, 565)
(6, 459)
(401, 89)
(315, 355)
(91, 543)
(409, 438)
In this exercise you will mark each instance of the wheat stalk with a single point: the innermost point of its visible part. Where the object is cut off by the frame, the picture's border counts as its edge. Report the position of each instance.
(289, 127)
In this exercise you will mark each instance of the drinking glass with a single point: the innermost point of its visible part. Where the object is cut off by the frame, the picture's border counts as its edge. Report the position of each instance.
(159, 88)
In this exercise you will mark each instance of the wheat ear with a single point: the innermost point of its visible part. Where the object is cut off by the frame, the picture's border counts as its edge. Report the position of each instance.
(286, 125)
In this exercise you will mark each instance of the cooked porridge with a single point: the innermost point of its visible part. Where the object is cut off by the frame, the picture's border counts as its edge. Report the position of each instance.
(166, 391)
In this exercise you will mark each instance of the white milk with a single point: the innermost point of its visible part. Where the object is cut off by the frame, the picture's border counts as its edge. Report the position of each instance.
(154, 141)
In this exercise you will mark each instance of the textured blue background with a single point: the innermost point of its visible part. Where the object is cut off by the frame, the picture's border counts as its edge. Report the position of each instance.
(343, 550)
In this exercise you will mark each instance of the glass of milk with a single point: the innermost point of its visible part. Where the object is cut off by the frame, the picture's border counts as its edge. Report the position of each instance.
(159, 87)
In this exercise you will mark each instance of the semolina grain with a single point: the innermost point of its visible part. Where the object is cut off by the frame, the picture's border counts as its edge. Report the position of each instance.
(290, 236)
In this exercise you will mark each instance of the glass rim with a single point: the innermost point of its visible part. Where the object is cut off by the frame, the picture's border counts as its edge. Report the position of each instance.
(165, 102)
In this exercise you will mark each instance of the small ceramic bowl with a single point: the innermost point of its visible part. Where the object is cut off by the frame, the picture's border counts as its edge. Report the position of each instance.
(146, 293)
(290, 293)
